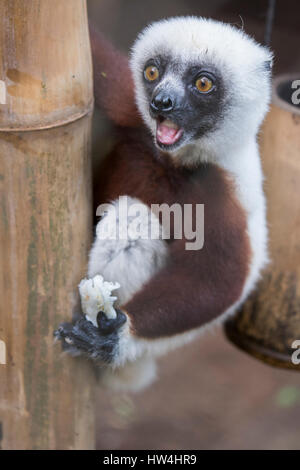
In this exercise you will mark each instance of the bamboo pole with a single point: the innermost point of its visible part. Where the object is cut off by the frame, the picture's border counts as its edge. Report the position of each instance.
(45, 220)
(269, 322)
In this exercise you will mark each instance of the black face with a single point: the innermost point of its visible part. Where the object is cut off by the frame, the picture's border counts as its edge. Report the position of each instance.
(187, 104)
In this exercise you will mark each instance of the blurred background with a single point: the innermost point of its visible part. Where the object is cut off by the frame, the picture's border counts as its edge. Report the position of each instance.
(209, 395)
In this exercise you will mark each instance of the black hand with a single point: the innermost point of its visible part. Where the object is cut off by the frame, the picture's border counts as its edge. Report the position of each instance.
(83, 338)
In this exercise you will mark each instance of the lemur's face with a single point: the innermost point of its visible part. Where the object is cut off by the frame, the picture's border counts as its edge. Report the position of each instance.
(185, 101)
(200, 82)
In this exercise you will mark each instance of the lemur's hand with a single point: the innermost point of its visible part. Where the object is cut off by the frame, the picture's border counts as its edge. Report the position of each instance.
(83, 338)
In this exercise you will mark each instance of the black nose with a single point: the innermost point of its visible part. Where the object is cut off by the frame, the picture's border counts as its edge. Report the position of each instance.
(162, 102)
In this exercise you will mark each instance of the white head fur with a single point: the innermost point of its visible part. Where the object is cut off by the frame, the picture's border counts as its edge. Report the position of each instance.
(243, 64)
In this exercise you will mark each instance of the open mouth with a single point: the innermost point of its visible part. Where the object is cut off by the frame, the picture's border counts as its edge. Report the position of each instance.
(167, 132)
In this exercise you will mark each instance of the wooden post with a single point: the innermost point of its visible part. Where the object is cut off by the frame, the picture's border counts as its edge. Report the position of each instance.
(269, 322)
(46, 100)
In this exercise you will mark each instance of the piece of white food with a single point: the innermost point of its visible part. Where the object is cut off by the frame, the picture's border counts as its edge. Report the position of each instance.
(96, 295)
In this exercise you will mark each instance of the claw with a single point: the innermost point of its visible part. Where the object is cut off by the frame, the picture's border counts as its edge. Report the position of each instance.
(68, 340)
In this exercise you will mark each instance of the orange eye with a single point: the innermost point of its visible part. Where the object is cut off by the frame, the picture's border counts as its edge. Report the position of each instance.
(151, 73)
(204, 84)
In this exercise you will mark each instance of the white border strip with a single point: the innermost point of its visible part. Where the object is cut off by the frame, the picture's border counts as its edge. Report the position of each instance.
(2, 92)
(2, 353)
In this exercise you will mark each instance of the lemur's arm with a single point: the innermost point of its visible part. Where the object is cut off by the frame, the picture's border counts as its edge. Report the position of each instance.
(192, 289)
(113, 85)
(197, 286)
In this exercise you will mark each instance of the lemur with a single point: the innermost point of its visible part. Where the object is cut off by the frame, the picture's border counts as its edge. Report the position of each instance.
(188, 107)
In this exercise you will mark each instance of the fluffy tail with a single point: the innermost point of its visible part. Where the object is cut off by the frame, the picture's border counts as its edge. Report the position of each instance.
(113, 84)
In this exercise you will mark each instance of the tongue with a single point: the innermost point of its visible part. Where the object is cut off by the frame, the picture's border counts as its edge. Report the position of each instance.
(167, 135)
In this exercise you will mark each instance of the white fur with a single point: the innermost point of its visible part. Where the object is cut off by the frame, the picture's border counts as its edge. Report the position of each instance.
(132, 377)
(131, 261)
(241, 61)
(232, 146)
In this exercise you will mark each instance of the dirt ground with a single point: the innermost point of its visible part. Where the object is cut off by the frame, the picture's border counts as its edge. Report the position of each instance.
(209, 395)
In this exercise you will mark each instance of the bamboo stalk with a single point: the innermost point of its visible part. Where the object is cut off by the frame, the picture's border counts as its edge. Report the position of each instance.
(269, 322)
(45, 63)
(45, 220)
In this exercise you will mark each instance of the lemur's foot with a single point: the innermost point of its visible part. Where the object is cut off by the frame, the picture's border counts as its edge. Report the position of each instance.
(83, 338)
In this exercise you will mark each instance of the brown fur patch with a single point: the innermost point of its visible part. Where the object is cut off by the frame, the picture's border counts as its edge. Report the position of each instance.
(194, 287)
(113, 84)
